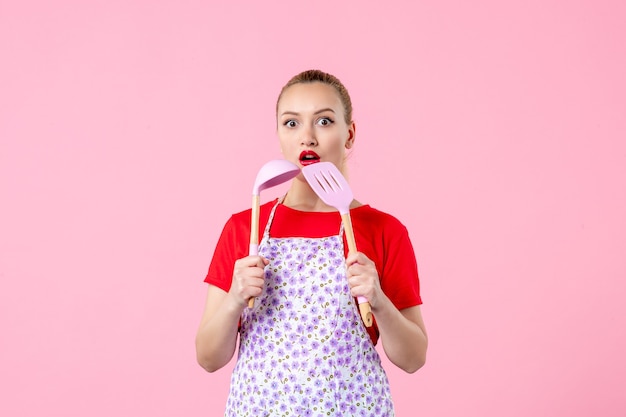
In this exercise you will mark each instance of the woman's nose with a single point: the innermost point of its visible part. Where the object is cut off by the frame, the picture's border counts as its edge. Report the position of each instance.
(308, 137)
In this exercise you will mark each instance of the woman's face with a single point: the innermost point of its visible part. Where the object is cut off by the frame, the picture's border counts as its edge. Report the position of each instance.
(312, 126)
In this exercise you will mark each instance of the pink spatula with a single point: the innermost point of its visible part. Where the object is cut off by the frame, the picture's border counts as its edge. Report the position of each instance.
(271, 174)
(331, 186)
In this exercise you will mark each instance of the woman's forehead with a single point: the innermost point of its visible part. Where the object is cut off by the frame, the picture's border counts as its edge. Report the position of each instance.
(309, 96)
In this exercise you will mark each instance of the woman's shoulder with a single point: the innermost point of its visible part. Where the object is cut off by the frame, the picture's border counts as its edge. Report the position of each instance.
(374, 216)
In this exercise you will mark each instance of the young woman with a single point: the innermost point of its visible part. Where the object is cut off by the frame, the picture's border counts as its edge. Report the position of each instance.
(303, 349)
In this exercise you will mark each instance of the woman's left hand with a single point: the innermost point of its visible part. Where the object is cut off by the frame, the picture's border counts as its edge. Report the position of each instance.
(363, 278)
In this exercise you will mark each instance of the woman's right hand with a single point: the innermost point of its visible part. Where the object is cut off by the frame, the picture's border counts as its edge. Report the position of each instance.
(248, 278)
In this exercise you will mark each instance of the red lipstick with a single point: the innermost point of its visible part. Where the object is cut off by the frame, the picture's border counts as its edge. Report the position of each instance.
(308, 158)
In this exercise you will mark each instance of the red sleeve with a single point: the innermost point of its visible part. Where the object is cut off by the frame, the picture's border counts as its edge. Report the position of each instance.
(400, 280)
(233, 244)
(226, 253)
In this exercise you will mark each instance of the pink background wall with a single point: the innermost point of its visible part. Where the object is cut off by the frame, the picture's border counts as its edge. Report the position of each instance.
(131, 130)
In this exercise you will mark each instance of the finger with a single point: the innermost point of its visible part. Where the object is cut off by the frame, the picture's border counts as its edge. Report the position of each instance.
(358, 258)
(253, 260)
(352, 258)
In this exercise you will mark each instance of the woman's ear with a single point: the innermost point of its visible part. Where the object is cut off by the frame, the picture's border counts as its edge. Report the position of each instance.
(351, 135)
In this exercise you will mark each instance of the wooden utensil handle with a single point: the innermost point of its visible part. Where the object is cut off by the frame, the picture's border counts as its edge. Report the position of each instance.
(347, 226)
(254, 233)
(364, 306)
(366, 313)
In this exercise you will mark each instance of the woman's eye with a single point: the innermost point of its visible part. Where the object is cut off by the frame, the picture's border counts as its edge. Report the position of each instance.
(290, 123)
(324, 121)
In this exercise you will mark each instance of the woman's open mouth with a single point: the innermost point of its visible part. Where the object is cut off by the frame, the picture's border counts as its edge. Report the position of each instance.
(308, 158)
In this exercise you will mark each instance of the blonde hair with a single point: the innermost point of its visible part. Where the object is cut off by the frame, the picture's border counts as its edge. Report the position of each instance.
(317, 76)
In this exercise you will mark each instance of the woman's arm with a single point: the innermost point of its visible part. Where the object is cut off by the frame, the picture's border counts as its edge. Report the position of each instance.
(403, 333)
(216, 339)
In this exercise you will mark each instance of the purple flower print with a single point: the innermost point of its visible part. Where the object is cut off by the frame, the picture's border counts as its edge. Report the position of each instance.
(292, 280)
(334, 343)
(304, 338)
(278, 280)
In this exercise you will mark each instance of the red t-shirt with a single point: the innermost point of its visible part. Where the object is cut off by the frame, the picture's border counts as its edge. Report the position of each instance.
(380, 236)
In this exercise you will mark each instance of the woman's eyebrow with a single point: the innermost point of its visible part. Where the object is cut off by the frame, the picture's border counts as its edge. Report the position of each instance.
(288, 112)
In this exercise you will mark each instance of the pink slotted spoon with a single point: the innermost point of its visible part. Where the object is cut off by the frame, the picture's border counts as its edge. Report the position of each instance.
(331, 186)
